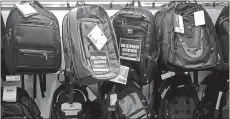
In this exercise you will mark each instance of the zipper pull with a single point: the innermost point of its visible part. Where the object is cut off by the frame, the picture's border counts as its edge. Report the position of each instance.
(45, 55)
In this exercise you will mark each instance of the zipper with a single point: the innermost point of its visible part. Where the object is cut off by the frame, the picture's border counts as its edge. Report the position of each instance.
(41, 53)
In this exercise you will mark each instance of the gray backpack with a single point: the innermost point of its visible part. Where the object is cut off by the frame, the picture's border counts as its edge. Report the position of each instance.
(90, 47)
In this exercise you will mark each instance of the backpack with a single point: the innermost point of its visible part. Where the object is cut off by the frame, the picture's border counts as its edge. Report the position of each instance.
(197, 48)
(3, 33)
(34, 43)
(60, 108)
(179, 98)
(215, 83)
(137, 41)
(89, 60)
(24, 107)
(225, 106)
(130, 104)
(222, 29)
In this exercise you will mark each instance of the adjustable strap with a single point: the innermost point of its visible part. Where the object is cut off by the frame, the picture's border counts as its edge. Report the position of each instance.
(41, 81)
(35, 86)
(23, 81)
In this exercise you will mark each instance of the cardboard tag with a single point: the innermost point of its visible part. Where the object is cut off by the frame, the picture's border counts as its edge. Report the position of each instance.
(167, 75)
(164, 92)
(26, 9)
(13, 78)
(112, 102)
(123, 75)
(71, 109)
(91, 95)
(178, 24)
(97, 37)
(9, 93)
(199, 18)
(130, 49)
(218, 100)
(99, 61)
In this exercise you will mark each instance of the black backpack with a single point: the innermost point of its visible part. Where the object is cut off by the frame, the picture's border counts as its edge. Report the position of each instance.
(215, 83)
(197, 48)
(222, 29)
(24, 107)
(33, 44)
(61, 97)
(130, 104)
(139, 48)
(3, 34)
(86, 62)
(179, 98)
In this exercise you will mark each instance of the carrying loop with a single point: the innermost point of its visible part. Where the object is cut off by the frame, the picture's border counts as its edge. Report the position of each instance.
(35, 86)
(41, 85)
(80, 3)
(23, 81)
(58, 77)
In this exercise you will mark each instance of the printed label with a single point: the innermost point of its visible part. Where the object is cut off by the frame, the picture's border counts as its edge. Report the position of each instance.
(99, 61)
(178, 24)
(123, 75)
(9, 93)
(13, 78)
(130, 49)
(97, 37)
(199, 18)
(71, 109)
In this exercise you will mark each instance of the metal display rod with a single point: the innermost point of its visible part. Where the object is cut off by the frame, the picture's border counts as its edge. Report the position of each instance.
(113, 4)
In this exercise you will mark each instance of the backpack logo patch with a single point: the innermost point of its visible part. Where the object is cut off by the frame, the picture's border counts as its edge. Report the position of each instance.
(130, 49)
(99, 61)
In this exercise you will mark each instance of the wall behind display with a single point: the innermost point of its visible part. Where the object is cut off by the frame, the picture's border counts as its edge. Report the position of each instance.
(52, 83)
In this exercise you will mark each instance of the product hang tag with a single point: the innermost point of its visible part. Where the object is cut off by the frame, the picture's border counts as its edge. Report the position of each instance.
(91, 95)
(97, 37)
(130, 49)
(123, 75)
(9, 93)
(178, 24)
(167, 75)
(13, 78)
(25, 9)
(71, 109)
(112, 102)
(99, 61)
(218, 100)
(199, 18)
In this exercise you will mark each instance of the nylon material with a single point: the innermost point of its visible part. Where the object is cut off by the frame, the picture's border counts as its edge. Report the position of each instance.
(25, 36)
(142, 113)
(205, 61)
(19, 108)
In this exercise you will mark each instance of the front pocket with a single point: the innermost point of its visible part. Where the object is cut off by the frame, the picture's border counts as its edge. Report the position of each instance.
(38, 36)
(35, 59)
(128, 31)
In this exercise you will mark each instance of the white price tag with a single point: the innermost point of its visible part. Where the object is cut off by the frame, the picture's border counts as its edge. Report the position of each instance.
(13, 78)
(218, 100)
(179, 24)
(167, 75)
(71, 109)
(123, 75)
(91, 96)
(26, 9)
(97, 37)
(199, 18)
(113, 99)
(10, 94)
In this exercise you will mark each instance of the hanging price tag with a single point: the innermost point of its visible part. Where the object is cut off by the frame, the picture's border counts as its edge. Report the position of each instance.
(9, 93)
(218, 100)
(167, 75)
(123, 75)
(112, 102)
(199, 18)
(178, 24)
(13, 78)
(164, 92)
(91, 95)
(97, 37)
